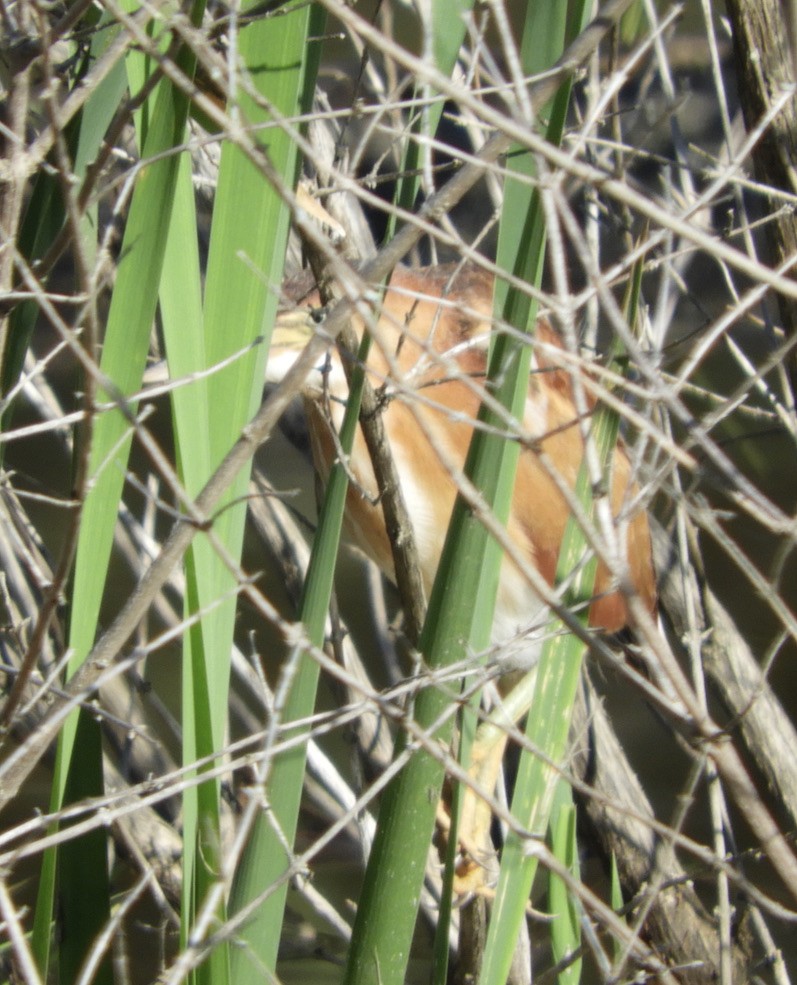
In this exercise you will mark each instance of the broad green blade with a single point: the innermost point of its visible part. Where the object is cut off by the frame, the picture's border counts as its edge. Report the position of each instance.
(184, 339)
(551, 708)
(268, 862)
(447, 26)
(43, 220)
(564, 909)
(458, 623)
(547, 730)
(460, 608)
(126, 342)
(247, 250)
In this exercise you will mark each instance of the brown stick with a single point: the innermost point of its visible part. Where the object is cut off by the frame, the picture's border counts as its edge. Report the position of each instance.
(764, 62)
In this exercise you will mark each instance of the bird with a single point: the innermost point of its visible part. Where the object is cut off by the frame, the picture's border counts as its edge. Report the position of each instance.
(428, 362)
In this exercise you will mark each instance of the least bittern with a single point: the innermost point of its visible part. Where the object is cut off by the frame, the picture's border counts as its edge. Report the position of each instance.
(429, 358)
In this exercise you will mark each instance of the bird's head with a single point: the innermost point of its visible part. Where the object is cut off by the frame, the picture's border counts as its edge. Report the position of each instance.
(431, 322)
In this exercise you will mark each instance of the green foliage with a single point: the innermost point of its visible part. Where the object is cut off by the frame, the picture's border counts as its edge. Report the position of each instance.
(107, 443)
(247, 248)
(115, 251)
(565, 910)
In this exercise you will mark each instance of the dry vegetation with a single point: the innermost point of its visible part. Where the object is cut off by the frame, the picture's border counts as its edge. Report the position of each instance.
(682, 757)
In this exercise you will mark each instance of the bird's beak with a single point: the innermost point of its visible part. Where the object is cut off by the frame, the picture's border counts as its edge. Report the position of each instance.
(293, 329)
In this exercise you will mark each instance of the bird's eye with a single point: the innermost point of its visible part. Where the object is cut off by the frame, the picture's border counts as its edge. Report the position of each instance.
(318, 315)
